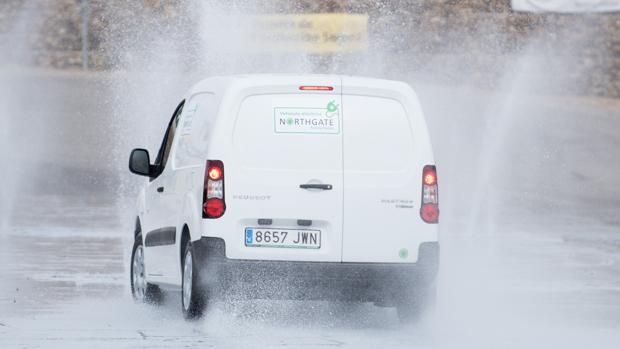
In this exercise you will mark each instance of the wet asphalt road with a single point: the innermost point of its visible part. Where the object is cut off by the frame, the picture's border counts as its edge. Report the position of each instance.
(530, 191)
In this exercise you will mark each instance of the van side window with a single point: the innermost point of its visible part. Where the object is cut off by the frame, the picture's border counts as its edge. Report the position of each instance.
(166, 144)
(169, 139)
(194, 125)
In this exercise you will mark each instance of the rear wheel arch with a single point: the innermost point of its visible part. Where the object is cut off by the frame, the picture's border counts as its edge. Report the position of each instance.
(138, 229)
(185, 237)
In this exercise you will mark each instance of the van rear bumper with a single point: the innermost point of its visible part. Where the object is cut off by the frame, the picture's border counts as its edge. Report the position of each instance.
(258, 279)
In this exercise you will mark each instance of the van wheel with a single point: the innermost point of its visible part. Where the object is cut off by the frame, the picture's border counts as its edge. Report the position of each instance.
(411, 307)
(142, 291)
(193, 299)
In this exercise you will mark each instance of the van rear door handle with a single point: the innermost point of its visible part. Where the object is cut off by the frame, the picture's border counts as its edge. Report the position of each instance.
(160, 189)
(316, 186)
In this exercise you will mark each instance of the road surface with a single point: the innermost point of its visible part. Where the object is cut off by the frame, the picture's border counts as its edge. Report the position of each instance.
(530, 232)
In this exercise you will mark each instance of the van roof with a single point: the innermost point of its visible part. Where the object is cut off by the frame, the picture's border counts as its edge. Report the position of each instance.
(257, 80)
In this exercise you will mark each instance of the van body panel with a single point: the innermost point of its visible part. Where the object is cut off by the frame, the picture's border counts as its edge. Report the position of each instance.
(273, 137)
(370, 206)
(382, 176)
(281, 138)
(161, 211)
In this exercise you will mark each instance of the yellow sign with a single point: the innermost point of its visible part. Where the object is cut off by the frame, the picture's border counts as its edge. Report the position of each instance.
(313, 33)
(293, 33)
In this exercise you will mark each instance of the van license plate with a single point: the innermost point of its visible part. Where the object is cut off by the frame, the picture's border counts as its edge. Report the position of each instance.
(282, 238)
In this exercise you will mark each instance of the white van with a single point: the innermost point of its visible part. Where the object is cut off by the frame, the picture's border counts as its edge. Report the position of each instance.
(290, 186)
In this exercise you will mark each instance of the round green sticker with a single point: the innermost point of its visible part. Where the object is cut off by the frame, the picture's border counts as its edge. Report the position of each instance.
(403, 253)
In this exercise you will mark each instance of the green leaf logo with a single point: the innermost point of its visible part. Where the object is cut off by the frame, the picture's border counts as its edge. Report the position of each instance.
(332, 106)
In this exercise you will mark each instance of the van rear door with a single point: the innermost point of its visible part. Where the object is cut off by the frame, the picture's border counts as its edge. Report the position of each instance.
(284, 184)
(382, 182)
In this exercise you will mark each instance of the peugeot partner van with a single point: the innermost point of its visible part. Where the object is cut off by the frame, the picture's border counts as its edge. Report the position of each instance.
(290, 187)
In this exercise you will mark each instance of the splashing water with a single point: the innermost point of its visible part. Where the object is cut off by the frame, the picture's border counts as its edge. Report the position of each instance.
(509, 259)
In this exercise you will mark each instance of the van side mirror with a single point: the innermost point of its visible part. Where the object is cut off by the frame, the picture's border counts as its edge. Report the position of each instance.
(140, 162)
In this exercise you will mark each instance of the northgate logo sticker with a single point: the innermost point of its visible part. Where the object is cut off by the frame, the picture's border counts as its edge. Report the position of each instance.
(307, 120)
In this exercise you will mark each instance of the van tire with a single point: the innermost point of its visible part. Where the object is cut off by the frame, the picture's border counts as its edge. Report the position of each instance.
(141, 291)
(412, 306)
(193, 297)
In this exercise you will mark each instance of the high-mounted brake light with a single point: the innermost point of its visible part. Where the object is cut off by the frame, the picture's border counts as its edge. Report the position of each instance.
(316, 88)
(213, 203)
(429, 211)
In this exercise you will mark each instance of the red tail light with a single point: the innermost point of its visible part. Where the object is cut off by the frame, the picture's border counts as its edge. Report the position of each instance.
(429, 178)
(214, 208)
(215, 173)
(429, 211)
(213, 203)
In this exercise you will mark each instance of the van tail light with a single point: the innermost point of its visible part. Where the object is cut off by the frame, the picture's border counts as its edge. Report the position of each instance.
(213, 203)
(429, 211)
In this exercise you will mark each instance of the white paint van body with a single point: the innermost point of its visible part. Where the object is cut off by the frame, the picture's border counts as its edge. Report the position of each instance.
(364, 139)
